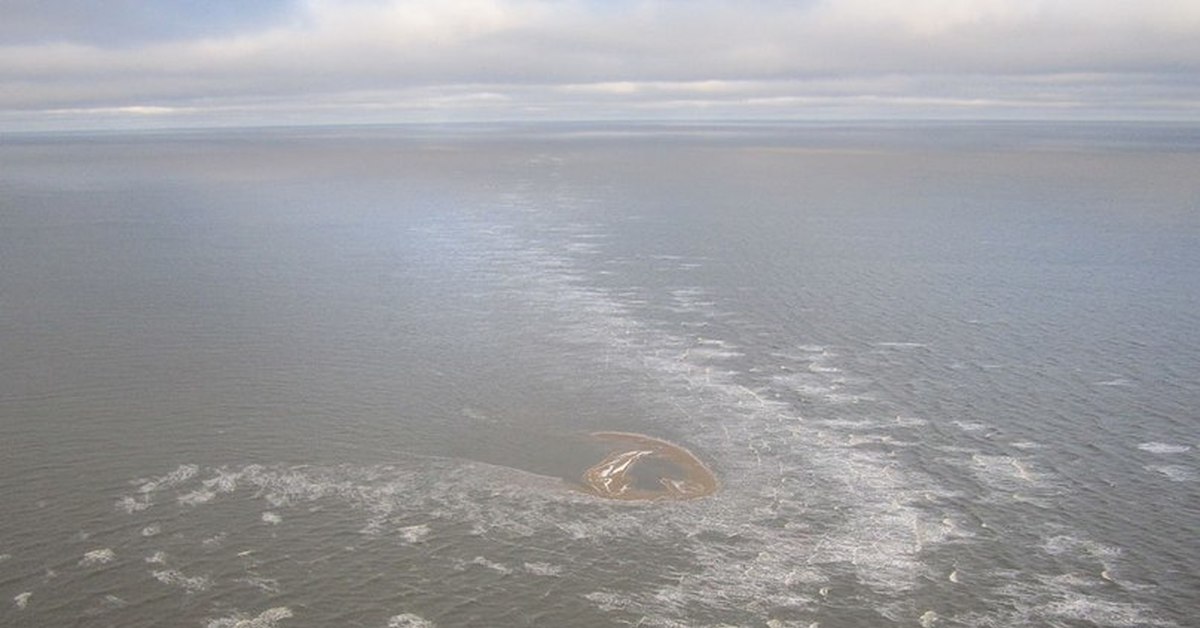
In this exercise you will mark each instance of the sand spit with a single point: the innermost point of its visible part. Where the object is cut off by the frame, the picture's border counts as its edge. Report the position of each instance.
(618, 477)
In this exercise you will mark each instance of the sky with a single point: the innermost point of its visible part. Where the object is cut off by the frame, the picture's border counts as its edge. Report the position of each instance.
(80, 64)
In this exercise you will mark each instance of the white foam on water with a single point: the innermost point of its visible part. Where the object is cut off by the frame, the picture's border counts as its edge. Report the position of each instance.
(414, 534)
(196, 497)
(848, 424)
(222, 481)
(266, 619)
(191, 584)
(131, 504)
(181, 474)
(773, 467)
(157, 558)
(1059, 600)
(271, 518)
(1004, 472)
(266, 585)
(153, 529)
(110, 601)
(1100, 612)
(911, 421)
(409, 620)
(886, 524)
(1103, 555)
(4, 557)
(1174, 472)
(491, 564)
(543, 569)
(802, 505)
(816, 386)
(1119, 382)
(98, 557)
(21, 600)
(1164, 448)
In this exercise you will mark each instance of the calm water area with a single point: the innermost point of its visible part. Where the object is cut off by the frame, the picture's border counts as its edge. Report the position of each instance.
(945, 375)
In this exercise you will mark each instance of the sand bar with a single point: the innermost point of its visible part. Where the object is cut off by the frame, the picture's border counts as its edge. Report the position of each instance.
(615, 477)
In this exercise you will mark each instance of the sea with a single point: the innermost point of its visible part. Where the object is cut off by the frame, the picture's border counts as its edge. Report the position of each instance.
(944, 374)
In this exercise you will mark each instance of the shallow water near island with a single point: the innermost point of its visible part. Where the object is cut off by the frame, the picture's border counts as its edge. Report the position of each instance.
(936, 376)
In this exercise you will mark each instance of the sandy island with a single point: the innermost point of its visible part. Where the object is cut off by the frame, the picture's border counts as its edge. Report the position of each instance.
(675, 473)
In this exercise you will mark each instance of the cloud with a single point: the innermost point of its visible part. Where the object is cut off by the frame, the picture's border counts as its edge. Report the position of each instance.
(619, 58)
(126, 22)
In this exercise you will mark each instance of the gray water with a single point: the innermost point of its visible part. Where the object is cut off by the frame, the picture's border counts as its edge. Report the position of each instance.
(947, 375)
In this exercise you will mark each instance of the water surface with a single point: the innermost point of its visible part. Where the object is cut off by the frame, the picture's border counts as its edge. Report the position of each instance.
(943, 375)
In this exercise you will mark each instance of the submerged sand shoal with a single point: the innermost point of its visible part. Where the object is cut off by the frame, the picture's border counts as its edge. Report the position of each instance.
(616, 477)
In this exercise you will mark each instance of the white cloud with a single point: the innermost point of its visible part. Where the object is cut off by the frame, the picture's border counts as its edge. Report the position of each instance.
(543, 54)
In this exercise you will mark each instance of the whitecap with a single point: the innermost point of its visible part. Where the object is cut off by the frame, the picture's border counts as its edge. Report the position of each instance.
(191, 584)
(265, 619)
(409, 620)
(491, 564)
(1101, 612)
(196, 497)
(1000, 471)
(110, 601)
(414, 534)
(1163, 448)
(266, 585)
(543, 569)
(98, 557)
(181, 474)
(223, 481)
(1174, 472)
(271, 518)
(21, 600)
(1119, 382)
(1067, 544)
(131, 504)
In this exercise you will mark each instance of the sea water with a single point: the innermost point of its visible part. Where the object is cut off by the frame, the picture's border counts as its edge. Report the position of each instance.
(944, 375)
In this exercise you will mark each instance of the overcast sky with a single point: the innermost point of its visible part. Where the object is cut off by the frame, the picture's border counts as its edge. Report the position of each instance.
(154, 63)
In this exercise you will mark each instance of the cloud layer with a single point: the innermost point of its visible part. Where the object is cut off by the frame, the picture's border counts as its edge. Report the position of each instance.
(222, 62)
